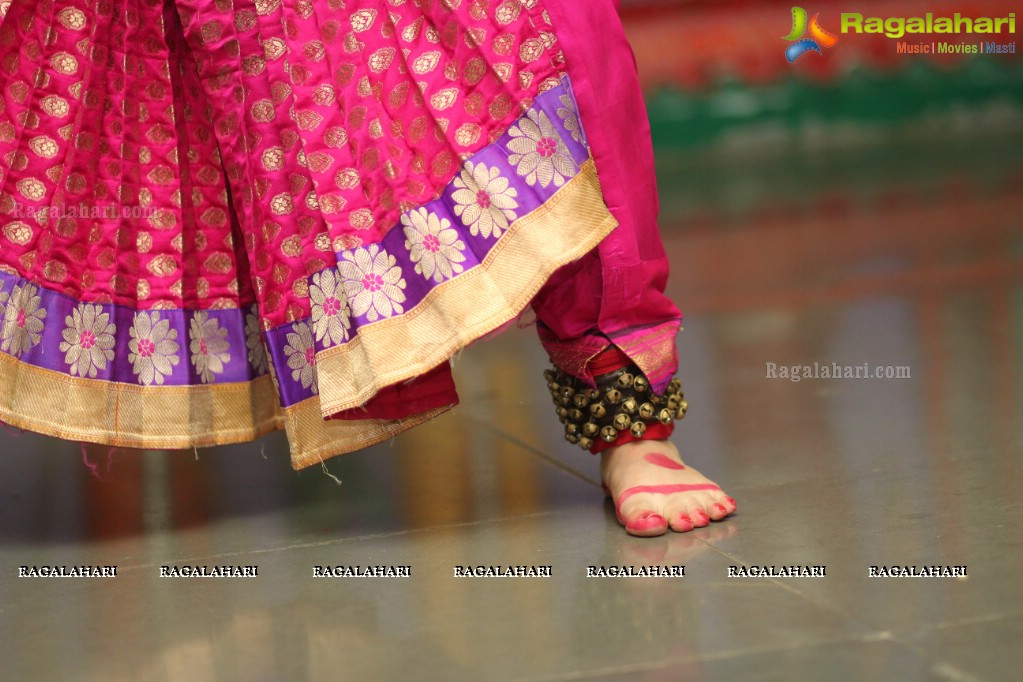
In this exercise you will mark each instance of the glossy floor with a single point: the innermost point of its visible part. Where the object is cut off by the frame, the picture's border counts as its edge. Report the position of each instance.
(918, 267)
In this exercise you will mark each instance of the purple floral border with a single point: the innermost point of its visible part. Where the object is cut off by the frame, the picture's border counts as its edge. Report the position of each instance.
(517, 174)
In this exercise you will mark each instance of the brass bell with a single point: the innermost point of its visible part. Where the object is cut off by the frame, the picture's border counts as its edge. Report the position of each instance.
(585, 442)
(622, 421)
(625, 380)
(590, 429)
(573, 439)
(646, 410)
(564, 400)
(548, 375)
(665, 416)
(575, 415)
(613, 396)
(683, 407)
(567, 391)
(641, 384)
(580, 401)
(563, 413)
(593, 394)
(598, 410)
(638, 429)
(630, 405)
(609, 434)
(572, 429)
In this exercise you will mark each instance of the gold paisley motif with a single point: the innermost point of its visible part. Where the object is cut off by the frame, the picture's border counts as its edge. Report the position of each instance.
(72, 18)
(161, 175)
(508, 12)
(265, 7)
(54, 105)
(324, 95)
(55, 271)
(380, 60)
(274, 49)
(253, 66)
(426, 62)
(216, 217)
(67, 227)
(64, 63)
(332, 204)
(361, 219)
(43, 146)
(308, 120)
(503, 71)
(468, 134)
(144, 242)
(292, 246)
(273, 159)
(504, 44)
(162, 266)
(282, 204)
(163, 219)
(314, 51)
(218, 263)
(319, 161)
(31, 189)
(245, 20)
(347, 178)
(363, 20)
(531, 50)
(262, 111)
(18, 232)
(444, 99)
(411, 32)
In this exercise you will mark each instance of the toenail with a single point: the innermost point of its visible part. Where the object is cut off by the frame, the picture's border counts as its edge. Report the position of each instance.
(730, 501)
(721, 507)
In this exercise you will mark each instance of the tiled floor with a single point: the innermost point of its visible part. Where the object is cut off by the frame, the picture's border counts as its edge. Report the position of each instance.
(916, 266)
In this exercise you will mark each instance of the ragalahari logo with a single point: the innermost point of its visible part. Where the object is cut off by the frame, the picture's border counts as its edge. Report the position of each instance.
(818, 36)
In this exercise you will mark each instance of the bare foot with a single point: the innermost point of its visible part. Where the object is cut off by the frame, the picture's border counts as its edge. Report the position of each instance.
(653, 490)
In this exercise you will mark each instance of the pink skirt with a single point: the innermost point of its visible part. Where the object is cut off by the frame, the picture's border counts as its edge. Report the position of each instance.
(220, 218)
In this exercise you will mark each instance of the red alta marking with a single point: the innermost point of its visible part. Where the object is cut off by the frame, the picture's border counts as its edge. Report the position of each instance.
(661, 490)
(662, 460)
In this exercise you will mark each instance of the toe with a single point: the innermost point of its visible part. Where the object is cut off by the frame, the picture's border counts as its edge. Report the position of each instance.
(700, 518)
(717, 511)
(682, 523)
(646, 524)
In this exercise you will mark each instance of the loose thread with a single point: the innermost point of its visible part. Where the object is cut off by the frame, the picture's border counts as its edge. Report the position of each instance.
(196, 450)
(262, 450)
(93, 468)
(327, 472)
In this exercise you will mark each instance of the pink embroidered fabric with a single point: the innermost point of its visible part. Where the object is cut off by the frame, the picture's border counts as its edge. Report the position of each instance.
(199, 193)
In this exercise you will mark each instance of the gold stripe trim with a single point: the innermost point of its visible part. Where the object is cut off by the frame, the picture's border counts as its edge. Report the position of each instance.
(134, 416)
(565, 228)
(179, 417)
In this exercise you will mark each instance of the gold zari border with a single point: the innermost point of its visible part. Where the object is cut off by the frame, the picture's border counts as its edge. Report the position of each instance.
(179, 417)
(456, 313)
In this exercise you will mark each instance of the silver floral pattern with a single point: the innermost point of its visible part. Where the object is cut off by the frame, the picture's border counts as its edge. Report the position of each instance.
(209, 346)
(539, 154)
(152, 348)
(484, 199)
(88, 340)
(300, 352)
(23, 324)
(373, 282)
(433, 245)
(331, 316)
